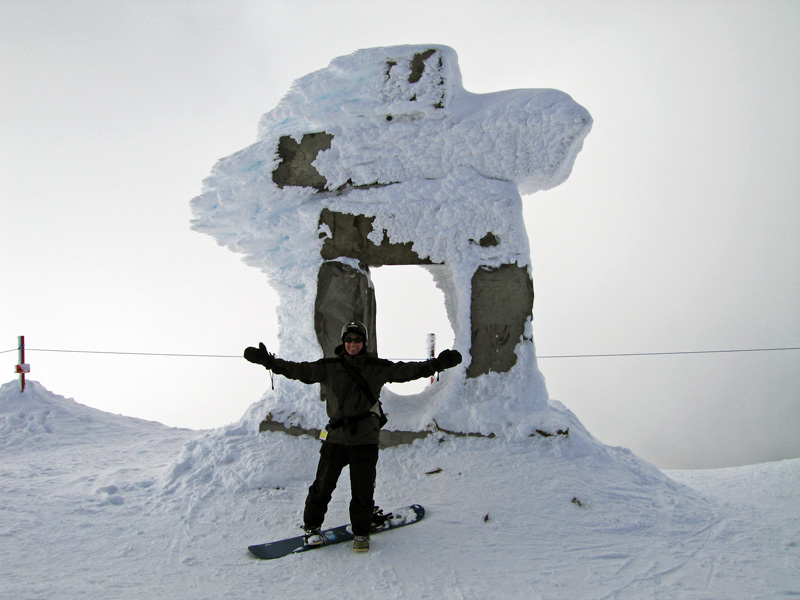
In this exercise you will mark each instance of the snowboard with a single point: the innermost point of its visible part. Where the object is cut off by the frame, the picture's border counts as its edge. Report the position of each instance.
(399, 518)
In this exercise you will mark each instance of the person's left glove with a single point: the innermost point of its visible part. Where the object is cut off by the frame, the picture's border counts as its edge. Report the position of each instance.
(259, 356)
(447, 359)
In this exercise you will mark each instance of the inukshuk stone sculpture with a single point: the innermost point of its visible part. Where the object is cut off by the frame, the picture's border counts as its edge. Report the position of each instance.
(382, 158)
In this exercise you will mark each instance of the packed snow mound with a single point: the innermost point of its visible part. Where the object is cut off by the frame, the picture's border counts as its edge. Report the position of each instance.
(235, 458)
(39, 418)
(154, 512)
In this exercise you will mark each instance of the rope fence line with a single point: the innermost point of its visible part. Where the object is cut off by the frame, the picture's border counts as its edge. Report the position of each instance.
(670, 353)
(611, 355)
(136, 353)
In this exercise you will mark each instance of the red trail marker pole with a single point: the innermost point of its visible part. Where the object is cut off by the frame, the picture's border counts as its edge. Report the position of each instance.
(22, 366)
(432, 349)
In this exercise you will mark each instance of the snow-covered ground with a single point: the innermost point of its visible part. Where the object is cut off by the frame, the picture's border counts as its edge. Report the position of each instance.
(94, 505)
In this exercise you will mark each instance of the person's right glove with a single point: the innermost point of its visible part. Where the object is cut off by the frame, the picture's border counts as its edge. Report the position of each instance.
(447, 359)
(259, 356)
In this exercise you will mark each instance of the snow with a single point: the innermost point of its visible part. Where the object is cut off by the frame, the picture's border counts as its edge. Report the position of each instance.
(529, 505)
(100, 505)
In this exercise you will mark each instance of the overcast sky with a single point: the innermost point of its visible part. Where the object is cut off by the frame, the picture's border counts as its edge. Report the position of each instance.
(679, 229)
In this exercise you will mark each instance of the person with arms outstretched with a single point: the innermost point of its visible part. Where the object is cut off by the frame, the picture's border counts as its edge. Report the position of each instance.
(351, 384)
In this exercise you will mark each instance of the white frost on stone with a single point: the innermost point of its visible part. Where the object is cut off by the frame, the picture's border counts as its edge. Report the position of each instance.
(450, 166)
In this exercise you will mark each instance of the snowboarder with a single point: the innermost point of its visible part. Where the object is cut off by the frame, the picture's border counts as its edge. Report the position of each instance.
(351, 384)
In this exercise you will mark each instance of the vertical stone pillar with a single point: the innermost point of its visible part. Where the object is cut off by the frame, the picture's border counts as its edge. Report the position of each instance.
(344, 294)
(502, 302)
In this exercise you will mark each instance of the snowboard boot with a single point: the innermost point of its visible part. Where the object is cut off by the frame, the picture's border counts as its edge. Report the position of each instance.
(313, 536)
(379, 519)
(361, 543)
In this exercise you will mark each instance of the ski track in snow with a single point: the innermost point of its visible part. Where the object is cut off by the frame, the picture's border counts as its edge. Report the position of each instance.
(97, 505)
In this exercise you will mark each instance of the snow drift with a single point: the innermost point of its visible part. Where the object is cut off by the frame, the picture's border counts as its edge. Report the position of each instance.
(100, 505)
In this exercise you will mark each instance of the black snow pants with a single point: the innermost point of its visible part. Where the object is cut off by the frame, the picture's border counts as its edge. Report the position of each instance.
(333, 458)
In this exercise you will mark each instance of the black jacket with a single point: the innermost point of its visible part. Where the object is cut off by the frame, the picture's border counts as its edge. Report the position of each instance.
(344, 398)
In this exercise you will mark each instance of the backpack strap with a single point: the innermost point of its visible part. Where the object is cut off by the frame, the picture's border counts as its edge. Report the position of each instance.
(359, 380)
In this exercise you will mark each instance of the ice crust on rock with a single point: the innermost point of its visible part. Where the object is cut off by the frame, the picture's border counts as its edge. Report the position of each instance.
(436, 166)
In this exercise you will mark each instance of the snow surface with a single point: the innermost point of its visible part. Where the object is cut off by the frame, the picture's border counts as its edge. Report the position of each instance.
(95, 505)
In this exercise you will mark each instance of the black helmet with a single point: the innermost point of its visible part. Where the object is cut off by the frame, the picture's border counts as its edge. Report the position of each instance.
(355, 327)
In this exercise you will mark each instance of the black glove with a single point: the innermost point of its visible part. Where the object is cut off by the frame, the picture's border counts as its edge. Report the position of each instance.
(447, 359)
(260, 356)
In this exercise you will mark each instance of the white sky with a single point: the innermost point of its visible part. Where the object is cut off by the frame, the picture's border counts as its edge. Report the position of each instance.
(678, 230)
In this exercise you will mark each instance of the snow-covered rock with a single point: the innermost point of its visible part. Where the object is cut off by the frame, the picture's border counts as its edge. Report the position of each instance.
(390, 134)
